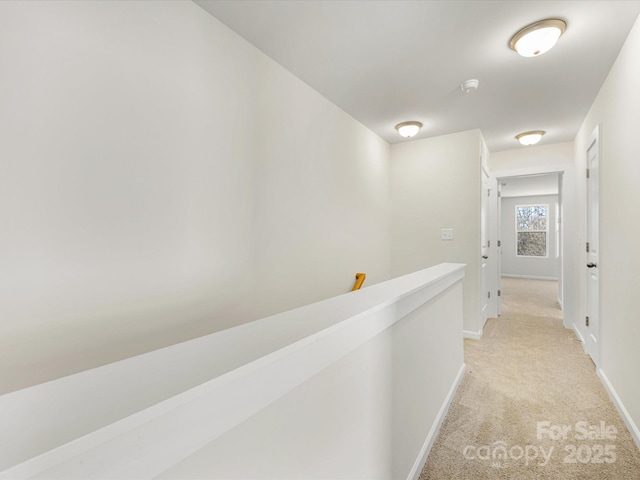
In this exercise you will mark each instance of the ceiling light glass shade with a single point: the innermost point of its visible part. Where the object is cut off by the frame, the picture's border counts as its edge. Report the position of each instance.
(408, 129)
(530, 138)
(538, 38)
(470, 85)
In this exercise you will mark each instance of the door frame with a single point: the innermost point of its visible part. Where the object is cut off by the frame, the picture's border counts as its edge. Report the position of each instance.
(562, 171)
(591, 343)
(489, 284)
(489, 302)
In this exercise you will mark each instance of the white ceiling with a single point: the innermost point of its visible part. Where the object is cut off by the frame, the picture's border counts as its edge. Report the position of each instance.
(385, 62)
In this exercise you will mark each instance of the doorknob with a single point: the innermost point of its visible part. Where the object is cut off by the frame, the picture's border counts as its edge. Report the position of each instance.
(485, 257)
(591, 265)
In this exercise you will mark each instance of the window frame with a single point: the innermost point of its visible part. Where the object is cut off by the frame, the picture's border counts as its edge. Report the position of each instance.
(545, 231)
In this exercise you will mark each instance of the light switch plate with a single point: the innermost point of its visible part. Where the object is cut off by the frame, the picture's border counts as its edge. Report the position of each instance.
(446, 234)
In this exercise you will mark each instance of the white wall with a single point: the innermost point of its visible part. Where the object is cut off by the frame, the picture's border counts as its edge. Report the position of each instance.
(541, 267)
(435, 184)
(162, 179)
(617, 110)
(327, 390)
(370, 418)
(543, 158)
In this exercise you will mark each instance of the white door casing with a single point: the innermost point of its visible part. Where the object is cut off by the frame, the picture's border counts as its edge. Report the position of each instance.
(560, 239)
(484, 246)
(498, 249)
(492, 239)
(592, 267)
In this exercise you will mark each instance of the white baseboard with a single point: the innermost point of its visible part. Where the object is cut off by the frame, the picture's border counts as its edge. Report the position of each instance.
(469, 334)
(530, 277)
(579, 335)
(414, 474)
(633, 428)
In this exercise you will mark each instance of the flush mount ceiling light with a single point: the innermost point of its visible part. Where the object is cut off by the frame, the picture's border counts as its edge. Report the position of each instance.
(408, 129)
(539, 37)
(469, 85)
(530, 138)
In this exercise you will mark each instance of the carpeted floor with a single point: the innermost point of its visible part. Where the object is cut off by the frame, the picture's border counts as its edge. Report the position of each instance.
(531, 405)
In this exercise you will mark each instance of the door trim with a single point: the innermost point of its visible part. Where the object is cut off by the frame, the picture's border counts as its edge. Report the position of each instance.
(591, 346)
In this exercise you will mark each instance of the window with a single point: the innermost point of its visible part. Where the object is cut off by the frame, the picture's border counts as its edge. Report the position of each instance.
(531, 230)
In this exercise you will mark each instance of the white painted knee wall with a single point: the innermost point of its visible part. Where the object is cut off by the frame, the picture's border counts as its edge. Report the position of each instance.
(351, 387)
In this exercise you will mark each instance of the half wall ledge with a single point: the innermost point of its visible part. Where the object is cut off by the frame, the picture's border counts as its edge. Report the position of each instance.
(365, 378)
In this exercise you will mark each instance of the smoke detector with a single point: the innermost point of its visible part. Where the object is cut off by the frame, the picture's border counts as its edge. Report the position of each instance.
(470, 85)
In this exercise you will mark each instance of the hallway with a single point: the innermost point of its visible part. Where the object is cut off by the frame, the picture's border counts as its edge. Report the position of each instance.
(534, 297)
(531, 405)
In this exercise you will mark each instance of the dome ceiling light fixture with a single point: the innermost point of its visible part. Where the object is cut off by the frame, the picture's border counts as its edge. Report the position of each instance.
(530, 138)
(408, 129)
(538, 38)
(470, 85)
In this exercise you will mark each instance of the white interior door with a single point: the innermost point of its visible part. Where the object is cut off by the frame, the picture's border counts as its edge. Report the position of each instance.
(484, 245)
(592, 321)
(560, 240)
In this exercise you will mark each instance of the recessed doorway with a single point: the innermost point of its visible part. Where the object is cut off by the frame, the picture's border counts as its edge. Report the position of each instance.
(530, 230)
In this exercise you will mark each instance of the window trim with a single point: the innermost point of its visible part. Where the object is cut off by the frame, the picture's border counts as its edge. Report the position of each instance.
(546, 231)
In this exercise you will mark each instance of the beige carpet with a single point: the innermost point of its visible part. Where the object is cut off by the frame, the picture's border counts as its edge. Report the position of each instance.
(531, 405)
